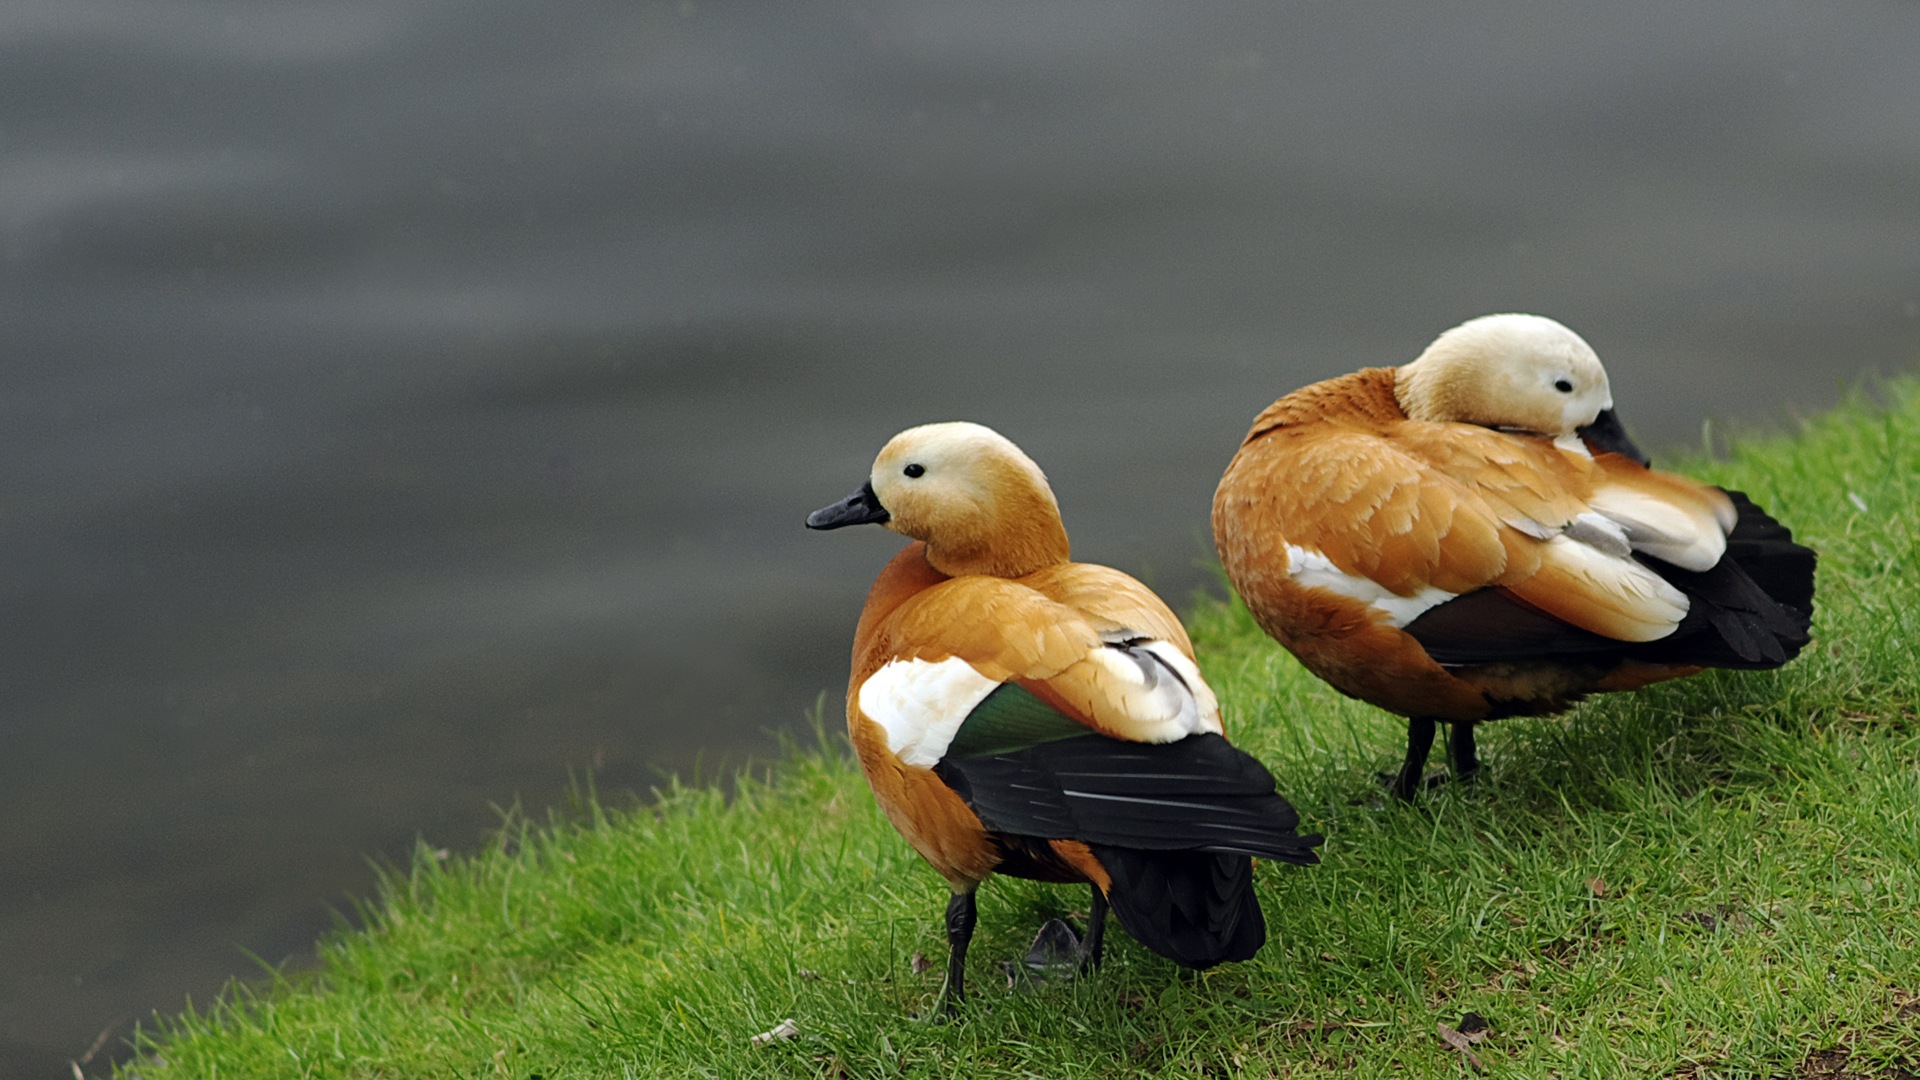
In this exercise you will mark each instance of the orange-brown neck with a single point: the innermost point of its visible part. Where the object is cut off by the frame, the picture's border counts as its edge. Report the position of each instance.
(1022, 534)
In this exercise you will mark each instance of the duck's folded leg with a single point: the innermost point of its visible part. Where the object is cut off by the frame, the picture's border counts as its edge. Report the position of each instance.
(1055, 953)
(1058, 951)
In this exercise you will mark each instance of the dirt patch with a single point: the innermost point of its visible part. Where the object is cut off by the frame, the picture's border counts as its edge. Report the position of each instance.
(1730, 916)
(1843, 1062)
(1839, 1065)
(1588, 934)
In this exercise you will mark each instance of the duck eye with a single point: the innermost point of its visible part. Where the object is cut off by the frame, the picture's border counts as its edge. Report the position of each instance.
(1563, 386)
(915, 471)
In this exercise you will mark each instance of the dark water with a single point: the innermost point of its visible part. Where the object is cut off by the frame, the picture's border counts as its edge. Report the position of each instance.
(404, 405)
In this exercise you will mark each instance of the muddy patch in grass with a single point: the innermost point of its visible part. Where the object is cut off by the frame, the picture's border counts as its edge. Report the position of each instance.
(1848, 1061)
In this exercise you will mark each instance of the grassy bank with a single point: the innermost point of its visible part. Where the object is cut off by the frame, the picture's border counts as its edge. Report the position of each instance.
(1719, 877)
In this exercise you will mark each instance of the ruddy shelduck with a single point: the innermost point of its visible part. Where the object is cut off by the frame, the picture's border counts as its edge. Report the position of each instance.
(1472, 536)
(1018, 713)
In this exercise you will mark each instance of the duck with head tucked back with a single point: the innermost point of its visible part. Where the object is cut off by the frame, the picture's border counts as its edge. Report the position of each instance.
(1472, 536)
(1018, 713)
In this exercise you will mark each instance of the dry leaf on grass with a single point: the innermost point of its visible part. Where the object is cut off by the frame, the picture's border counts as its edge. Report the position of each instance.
(1463, 1044)
(920, 963)
(785, 1029)
(1301, 1026)
(1597, 885)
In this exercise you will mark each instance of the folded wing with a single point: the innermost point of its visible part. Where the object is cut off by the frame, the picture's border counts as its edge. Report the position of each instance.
(1081, 726)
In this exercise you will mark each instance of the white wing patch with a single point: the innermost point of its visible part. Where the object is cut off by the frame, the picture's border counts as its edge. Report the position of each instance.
(1316, 571)
(1158, 689)
(1657, 607)
(921, 703)
(1661, 529)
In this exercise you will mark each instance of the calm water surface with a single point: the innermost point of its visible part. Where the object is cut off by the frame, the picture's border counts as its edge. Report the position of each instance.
(403, 406)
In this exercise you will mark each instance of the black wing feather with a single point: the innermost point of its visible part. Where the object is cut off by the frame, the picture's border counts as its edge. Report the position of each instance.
(1487, 626)
(1197, 794)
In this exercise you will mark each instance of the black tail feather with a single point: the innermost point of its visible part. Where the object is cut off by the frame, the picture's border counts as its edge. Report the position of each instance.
(1753, 609)
(1764, 548)
(1195, 908)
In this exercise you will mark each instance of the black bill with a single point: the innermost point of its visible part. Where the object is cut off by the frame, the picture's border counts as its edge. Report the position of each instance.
(1606, 436)
(859, 508)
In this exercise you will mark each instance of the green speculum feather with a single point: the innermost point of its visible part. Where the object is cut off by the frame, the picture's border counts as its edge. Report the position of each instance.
(1011, 718)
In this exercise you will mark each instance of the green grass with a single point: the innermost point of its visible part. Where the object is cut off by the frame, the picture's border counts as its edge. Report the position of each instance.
(1716, 877)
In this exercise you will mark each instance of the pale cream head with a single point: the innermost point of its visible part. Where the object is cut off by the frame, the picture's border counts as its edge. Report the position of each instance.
(980, 504)
(1517, 372)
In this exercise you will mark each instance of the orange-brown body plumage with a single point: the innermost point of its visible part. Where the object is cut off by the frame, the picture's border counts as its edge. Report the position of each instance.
(1018, 713)
(1461, 571)
(907, 617)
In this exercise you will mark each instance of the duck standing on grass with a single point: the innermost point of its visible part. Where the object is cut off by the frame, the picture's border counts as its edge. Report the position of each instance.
(1021, 714)
(1472, 536)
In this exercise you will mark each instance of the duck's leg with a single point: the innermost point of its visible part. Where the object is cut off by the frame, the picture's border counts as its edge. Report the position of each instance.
(1095, 941)
(960, 918)
(1460, 751)
(1419, 744)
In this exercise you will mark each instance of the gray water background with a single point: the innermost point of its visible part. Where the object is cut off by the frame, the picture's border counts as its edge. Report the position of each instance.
(405, 406)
